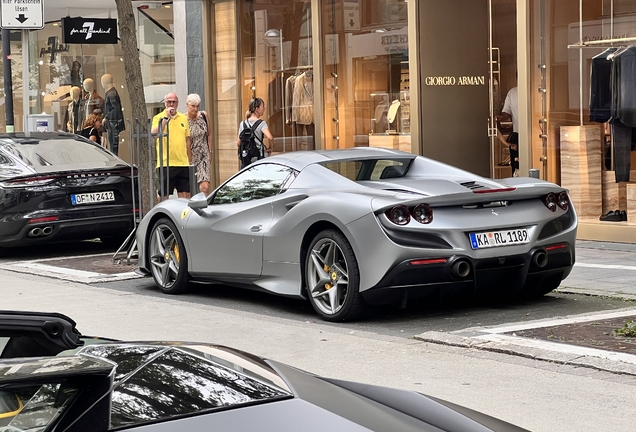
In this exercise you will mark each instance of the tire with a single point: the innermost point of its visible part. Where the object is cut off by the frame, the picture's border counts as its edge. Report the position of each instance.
(332, 278)
(168, 259)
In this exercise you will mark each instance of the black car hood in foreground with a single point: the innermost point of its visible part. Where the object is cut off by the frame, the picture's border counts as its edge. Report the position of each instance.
(166, 386)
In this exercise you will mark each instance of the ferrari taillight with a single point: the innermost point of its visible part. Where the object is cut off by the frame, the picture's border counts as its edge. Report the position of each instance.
(563, 200)
(399, 215)
(550, 201)
(422, 213)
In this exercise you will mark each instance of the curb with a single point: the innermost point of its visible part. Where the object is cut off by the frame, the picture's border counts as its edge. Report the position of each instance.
(456, 340)
(596, 293)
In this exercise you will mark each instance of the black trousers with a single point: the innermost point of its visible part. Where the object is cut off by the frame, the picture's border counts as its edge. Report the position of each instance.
(113, 138)
(622, 140)
(513, 140)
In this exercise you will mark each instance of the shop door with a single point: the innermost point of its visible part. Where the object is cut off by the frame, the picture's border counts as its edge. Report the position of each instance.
(454, 82)
(502, 37)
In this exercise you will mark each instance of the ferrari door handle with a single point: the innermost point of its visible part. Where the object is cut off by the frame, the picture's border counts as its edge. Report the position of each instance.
(256, 228)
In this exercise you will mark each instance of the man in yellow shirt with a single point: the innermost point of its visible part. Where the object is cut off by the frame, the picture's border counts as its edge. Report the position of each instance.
(177, 151)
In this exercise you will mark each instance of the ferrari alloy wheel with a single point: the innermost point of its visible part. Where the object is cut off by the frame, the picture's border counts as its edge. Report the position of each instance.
(168, 260)
(332, 277)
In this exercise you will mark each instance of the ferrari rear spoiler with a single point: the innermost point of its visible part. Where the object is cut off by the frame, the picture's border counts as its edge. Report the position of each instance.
(478, 196)
(36, 334)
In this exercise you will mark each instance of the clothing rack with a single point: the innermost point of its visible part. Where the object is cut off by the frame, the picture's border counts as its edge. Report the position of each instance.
(602, 43)
(294, 69)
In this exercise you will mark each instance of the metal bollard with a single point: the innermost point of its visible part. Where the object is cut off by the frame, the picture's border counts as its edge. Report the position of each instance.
(192, 174)
(534, 173)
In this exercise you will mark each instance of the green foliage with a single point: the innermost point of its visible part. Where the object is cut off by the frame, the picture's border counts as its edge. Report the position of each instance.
(628, 330)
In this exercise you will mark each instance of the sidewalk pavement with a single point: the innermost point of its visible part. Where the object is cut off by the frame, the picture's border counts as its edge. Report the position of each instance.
(603, 268)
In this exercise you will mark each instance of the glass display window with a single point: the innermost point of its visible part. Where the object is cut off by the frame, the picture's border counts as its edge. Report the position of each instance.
(367, 79)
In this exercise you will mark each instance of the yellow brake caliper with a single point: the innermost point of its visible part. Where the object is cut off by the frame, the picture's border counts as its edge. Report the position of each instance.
(175, 249)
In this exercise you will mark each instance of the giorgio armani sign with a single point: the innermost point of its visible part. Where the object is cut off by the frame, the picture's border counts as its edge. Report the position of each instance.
(89, 30)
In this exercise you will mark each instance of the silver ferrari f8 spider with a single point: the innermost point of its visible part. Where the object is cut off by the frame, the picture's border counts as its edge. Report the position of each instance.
(351, 229)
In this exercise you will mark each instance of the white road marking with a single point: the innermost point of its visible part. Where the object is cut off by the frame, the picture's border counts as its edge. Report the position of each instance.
(38, 268)
(560, 321)
(559, 347)
(605, 266)
(49, 268)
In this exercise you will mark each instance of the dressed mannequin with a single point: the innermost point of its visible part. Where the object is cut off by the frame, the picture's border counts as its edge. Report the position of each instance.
(113, 112)
(75, 111)
(92, 100)
(303, 111)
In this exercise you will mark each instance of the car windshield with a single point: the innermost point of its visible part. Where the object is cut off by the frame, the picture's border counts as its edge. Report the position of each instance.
(370, 169)
(59, 154)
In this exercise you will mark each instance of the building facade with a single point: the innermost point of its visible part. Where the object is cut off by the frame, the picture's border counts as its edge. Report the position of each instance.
(429, 77)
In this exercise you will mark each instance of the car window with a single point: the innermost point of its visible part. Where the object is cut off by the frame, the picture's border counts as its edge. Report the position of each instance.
(58, 152)
(370, 169)
(40, 406)
(179, 383)
(257, 182)
(5, 160)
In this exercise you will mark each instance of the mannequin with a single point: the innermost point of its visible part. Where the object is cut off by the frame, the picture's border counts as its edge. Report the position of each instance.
(113, 113)
(92, 100)
(303, 111)
(75, 111)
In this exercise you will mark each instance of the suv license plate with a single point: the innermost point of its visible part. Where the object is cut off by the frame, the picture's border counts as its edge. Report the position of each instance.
(90, 198)
(499, 238)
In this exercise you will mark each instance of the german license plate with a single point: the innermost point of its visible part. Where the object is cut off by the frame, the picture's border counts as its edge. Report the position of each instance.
(499, 238)
(90, 198)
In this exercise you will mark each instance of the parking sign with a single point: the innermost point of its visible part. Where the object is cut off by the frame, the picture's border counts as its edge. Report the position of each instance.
(22, 14)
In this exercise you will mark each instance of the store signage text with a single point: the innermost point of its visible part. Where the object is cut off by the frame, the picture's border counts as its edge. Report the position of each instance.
(397, 42)
(53, 48)
(89, 30)
(455, 81)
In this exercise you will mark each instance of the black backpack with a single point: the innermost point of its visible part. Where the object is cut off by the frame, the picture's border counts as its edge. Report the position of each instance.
(248, 148)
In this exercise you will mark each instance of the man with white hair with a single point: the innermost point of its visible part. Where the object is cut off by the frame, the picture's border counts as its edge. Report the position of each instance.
(177, 151)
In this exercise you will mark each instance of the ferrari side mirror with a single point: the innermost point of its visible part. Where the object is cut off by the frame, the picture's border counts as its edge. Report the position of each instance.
(198, 202)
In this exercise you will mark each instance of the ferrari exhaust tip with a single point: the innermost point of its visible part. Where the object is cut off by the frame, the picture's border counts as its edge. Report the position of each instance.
(460, 269)
(35, 232)
(47, 230)
(540, 259)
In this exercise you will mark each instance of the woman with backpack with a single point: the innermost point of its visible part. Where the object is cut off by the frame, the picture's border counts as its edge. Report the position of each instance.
(252, 130)
(201, 141)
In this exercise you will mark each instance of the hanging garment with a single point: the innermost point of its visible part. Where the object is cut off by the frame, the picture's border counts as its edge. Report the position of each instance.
(303, 103)
(622, 139)
(289, 98)
(600, 88)
(624, 87)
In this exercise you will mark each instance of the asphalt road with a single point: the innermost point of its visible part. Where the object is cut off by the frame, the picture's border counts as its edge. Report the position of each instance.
(537, 395)
(451, 315)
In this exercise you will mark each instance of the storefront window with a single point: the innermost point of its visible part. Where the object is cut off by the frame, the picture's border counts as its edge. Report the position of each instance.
(16, 67)
(70, 73)
(276, 46)
(366, 78)
(583, 116)
(156, 54)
